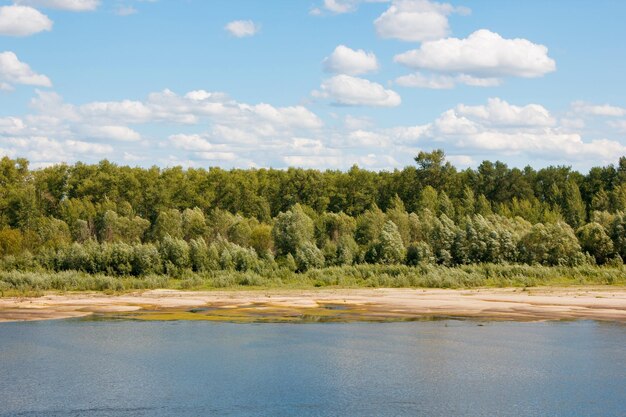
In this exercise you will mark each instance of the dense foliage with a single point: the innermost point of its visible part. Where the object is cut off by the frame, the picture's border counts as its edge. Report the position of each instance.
(121, 221)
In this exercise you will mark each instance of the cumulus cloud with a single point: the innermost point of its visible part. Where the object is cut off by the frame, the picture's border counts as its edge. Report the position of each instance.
(227, 128)
(22, 21)
(480, 60)
(112, 132)
(354, 122)
(415, 20)
(444, 82)
(125, 10)
(228, 133)
(193, 142)
(69, 5)
(498, 112)
(352, 91)
(506, 129)
(167, 106)
(341, 6)
(585, 108)
(242, 28)
(619, 125)
(43, 151)
(461, 161)
(372, 161)
(344, 60)
(14, 71)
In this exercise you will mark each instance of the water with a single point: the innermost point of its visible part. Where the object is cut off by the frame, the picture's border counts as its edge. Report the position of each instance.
(436, 368)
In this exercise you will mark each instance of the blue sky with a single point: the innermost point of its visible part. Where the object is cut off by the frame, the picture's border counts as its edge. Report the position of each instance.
(312, 83)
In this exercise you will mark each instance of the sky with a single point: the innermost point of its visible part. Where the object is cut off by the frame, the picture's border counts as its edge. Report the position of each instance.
(323, 84)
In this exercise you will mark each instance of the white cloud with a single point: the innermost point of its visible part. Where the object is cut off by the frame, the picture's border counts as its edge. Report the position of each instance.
(572, 123)
(371, 161)
(22, 21)
(14, 71)
(504, 129)
(112, 132)
(242, 28)
(51, 104)
(444, 82)
(200, 95)
(43, 151)
(480, 59)
(217, 156)
(461, 161)
(293, 116)
(125, 10)
(127, 111)
(167, 106)
(131, 157)
(69, 5)
(353, 91)
(419, 80)
(233, 135)
(228, 133)
(415, 20)
(344, 60)
(82, 147)
(341, 6)
(192, 142)
(354, 123)
(365, 138)
(11, 126)
(498, 112)
(582, 107)
(619, 125)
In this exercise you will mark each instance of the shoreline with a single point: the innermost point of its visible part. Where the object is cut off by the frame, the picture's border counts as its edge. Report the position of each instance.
(604, 303)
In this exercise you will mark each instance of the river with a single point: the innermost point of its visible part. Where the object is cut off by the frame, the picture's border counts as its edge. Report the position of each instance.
(430, 368)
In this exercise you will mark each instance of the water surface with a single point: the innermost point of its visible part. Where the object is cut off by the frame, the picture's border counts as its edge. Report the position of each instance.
(431, 368)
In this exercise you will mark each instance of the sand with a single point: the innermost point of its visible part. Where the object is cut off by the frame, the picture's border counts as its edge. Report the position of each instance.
(545, 303)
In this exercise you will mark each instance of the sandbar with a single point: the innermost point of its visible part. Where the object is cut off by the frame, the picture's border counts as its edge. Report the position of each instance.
(605, 303)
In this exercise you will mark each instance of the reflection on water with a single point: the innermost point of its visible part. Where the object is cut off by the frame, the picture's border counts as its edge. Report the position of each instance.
(436, 368)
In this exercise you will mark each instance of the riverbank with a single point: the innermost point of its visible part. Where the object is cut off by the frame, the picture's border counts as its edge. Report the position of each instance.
(607, 303)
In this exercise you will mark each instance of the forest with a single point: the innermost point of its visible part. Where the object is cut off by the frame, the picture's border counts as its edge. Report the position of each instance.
(113, 227)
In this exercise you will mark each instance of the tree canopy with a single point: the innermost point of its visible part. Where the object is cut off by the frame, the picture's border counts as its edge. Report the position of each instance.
(131, 220)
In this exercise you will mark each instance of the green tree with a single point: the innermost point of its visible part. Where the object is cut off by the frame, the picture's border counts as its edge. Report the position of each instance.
(398, 215)
(308, 256)
(369, 225)
(261, 239)
(168, 223)
(292, 229)
(175, 254)
(433, 170)
(573, 207)
(391, 250)
(428, 199)
(601, 201)
(551, 244)
(595, 241)
(193, 223)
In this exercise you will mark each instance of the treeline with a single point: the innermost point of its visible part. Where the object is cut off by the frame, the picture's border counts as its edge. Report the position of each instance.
(124, 221)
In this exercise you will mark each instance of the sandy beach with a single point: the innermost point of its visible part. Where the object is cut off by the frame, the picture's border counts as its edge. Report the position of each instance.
(595, 303)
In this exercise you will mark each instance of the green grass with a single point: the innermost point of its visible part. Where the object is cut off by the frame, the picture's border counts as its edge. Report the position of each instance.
(15, 283)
